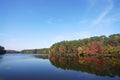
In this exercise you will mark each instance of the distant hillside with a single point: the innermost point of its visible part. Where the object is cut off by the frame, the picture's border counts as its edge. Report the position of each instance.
(12, 51)
(36, 51)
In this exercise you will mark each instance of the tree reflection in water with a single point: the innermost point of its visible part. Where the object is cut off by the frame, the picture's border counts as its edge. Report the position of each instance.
(102, 66)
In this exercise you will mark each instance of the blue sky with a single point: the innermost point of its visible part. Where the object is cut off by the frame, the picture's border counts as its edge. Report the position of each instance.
(29, 24)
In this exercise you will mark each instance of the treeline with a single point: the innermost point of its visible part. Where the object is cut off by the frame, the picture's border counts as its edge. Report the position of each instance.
(89, 46)
(96, 45)
(2, 50)
(36, 51)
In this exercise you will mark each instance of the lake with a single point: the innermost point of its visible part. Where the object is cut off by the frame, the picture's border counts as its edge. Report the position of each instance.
(44, 67)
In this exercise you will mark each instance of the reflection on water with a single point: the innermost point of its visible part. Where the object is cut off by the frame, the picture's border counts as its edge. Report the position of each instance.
(42, 67)
(102, 66)
(43, 56)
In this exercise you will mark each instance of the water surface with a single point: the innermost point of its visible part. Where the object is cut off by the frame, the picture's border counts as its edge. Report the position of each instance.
(40, 67)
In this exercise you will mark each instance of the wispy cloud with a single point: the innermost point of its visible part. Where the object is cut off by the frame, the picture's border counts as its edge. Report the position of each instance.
(49, 21)
(104, 13)
(53, 20)
(102, 19)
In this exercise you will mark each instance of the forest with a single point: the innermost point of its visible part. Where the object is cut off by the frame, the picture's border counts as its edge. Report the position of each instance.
(2, 50)
(97, 45)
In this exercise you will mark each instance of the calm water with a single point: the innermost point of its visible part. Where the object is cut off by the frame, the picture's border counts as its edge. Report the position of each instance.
(40, 67)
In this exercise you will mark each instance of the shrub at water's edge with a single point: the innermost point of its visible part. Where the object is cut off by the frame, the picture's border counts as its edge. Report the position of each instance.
(2, 50)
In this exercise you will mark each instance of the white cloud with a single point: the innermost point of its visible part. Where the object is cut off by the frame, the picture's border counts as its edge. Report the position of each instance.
(53, 20)
(103, 14)
(103, 19)
(49, 21)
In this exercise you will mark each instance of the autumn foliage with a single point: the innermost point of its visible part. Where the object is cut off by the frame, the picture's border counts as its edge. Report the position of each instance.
(89, 46)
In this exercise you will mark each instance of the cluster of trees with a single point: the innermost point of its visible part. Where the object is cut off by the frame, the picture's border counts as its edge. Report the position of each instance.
(89, 46)
(37, 51)
(2, 50)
